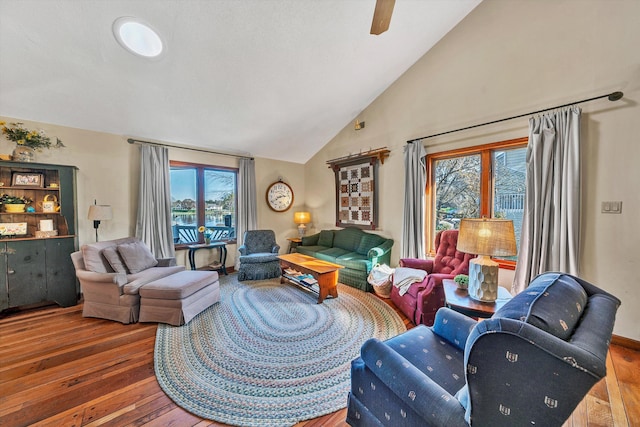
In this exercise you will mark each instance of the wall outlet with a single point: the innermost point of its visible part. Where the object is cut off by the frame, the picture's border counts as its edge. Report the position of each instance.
(612, 207)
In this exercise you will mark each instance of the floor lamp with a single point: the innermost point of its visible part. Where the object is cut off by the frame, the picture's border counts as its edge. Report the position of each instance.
(485, 237)
(99, 213)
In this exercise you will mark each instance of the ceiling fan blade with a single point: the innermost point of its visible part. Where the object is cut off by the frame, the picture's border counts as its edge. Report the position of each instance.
(382, 16)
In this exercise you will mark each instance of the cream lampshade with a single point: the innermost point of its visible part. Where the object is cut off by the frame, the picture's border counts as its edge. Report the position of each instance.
(99, 213)
(486, 238)
(302, 218)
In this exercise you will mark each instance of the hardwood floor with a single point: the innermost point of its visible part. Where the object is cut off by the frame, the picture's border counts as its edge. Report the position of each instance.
(60, 369)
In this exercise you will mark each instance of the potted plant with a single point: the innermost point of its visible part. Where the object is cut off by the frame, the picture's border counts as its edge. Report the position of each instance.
(14, 204)
(27, 141)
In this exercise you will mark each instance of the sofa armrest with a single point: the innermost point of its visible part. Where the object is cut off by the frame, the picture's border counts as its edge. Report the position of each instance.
(453, 326)
(421, 264)
(167, 262)
(381, 251)
(119, 279)
(242, 249)
(310, 240)
(275, 249)
(426, 397)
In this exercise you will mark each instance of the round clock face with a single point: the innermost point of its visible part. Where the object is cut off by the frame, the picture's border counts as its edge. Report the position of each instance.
(279, 196)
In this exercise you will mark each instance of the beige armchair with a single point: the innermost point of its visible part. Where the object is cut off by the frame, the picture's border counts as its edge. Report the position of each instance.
(111, 274)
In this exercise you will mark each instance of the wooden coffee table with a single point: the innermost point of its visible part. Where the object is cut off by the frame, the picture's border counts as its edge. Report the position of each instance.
(460, 301)
(326, 273)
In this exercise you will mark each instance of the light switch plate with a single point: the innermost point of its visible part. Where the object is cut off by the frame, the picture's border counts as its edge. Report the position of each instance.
(612, 207)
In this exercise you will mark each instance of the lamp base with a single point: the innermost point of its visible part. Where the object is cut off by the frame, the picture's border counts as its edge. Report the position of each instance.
(483, 279)
(301, 230)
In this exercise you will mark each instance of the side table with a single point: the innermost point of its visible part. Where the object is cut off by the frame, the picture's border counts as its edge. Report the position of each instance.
(293, 243)
(459, 300)
(220, 265)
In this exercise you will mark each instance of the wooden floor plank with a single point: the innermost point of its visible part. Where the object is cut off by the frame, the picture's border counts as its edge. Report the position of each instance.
(67, 362)
(618, 414)
(626, 364)
(58, 368)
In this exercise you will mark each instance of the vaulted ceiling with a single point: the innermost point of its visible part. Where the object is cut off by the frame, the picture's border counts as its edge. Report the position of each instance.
(271, 78)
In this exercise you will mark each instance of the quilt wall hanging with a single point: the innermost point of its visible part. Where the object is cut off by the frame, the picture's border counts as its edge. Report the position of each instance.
(356, 192)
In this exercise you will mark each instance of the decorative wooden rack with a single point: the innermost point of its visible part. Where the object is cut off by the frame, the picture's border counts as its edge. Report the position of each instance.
(378, 153)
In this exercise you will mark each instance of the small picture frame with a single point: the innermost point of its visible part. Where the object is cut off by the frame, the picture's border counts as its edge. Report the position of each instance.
(21, 179)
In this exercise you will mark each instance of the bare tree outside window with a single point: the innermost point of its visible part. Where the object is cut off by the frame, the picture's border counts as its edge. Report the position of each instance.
(457, 190)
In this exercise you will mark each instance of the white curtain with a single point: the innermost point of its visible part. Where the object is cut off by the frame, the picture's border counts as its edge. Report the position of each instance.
(247, 207)
(550, 238)
(415, 181)
(153, 223)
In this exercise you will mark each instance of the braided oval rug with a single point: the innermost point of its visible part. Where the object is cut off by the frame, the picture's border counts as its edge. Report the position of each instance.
(268, 354)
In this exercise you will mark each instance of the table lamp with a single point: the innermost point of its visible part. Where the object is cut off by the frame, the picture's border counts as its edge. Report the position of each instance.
(99, 213)
(485, 237)
(302, 218)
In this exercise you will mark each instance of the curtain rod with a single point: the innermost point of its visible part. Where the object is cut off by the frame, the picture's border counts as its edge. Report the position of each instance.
(133, 141)
(613, 96)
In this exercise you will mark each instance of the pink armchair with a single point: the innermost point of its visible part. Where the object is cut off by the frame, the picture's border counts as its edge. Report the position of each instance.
(423, 299)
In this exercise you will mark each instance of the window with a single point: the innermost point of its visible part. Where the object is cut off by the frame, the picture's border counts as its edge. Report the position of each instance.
(482, 181)
(202, 195)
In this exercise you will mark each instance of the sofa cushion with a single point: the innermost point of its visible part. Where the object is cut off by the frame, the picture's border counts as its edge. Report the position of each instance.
(113, 258)
(178, 286)
(333, 252)
(311, 250)
(258, 258)
(94, 260)
(553, 302)
(326, 238)
(355, 261)
(369, 241)
(135, 281)
(137, 256)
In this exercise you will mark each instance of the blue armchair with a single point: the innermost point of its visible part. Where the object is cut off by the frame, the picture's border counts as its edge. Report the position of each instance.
(530, 364)
(259, 256)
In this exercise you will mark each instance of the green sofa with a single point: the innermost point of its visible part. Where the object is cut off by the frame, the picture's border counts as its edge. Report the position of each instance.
(352, 248)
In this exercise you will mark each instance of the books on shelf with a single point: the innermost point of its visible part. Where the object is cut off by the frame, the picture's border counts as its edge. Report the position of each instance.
(309, 280)
(306, 279)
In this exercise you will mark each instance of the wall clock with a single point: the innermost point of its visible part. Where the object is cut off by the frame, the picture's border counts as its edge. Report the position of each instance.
(279, 196)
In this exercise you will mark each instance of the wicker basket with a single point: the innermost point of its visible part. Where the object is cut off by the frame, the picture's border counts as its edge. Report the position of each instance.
(43, 234)
(383, 290)
(380, 278)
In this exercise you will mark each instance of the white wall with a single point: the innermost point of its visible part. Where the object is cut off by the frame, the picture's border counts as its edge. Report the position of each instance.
(108, 170)
(508, 58)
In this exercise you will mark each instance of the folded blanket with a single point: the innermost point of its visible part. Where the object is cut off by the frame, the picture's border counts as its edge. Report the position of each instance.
(404, 277)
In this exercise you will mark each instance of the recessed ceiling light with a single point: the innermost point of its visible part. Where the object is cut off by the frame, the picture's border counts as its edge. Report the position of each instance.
(137, 37)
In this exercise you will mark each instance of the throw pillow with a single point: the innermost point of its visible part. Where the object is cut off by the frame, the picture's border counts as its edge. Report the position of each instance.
(94, 261)
(137, 256)
(114, 259)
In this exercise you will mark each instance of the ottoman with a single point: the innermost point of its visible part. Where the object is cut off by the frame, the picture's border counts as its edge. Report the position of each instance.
(178, 298)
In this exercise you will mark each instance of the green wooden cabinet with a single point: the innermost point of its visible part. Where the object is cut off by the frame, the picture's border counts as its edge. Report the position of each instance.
(36, 269)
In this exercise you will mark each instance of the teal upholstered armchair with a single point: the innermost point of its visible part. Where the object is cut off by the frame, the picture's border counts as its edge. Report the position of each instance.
(530, 364)
(259, 256)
